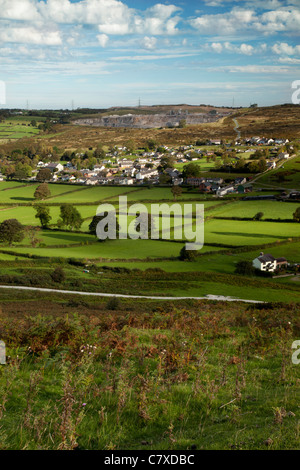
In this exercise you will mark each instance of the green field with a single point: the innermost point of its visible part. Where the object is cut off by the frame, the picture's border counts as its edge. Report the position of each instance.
(286, 177)
(16, 129)
(248, 209)
(220, 235)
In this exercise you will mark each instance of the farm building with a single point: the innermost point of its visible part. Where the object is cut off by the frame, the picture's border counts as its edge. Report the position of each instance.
(269, 263)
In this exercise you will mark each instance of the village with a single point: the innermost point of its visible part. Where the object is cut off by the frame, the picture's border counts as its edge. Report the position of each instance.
(163, 165)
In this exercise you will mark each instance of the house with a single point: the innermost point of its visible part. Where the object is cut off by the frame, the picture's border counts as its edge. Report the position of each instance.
(177, 181)
(123, 180)
(55, 167)
(283, 155)
(205, 187)
(92, 181)
(123, 164)
(268, 263)
(223, 191)
(194, 181)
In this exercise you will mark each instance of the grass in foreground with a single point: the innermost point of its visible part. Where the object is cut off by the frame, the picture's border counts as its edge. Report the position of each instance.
(147, 377)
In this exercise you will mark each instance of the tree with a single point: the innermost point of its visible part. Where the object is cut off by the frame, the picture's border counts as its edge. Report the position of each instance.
(42, 191)
(32, 232)
(176, 191)
(43, 213)
(99, 152)
(152, 144)
(192, 170)
(11, 230)
(96, 220)
(296, 215)
(33, 123)
(20, 174)
(44, 175)
(69, 217)
(258, 216)
(182, 123)
(187, 255)
(164, 178)
(167, 162)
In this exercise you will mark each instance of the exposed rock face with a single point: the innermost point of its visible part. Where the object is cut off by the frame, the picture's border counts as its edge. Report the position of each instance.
(144, 121)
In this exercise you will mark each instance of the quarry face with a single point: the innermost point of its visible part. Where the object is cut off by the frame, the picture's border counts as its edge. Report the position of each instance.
(146, 121)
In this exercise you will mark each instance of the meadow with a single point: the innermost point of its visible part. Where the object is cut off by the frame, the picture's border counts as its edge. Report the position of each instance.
(285, 177)
(225, 241)
(142, 375)
(17, 129)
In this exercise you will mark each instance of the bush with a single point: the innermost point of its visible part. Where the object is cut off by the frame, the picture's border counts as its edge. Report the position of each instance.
(245, 268)
(113, 303)
(58, 275)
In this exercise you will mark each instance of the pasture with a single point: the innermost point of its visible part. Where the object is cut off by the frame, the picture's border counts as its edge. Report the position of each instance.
(16, 129)
(222, 238)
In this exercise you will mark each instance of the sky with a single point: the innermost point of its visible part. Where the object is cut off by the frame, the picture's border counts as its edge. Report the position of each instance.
(103, 53)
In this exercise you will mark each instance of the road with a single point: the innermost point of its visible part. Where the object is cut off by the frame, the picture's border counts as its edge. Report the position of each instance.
(236, 128)
(127, 296)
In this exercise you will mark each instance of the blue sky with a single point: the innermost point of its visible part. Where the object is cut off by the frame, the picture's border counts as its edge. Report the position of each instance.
(102, 53)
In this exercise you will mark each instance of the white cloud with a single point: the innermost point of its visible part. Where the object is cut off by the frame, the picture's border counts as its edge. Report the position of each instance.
(288, 60)
(219, 47)
(246, 49)
(149, 42)
(227, 23)
(19, 10)
(285, 49)
(111, 16)
(256, 69)
(242, 20)
(103, 39)
(30, 35)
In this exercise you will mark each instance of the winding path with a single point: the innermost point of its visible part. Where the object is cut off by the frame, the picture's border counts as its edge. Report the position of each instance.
(220, 298)
(236, 128)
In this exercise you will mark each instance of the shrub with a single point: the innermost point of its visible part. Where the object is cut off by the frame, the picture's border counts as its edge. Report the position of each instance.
(113, 303)
(245, 268)
(58, 275)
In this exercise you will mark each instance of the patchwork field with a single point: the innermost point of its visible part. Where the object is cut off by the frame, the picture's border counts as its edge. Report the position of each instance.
(225, 241)
(13, 129)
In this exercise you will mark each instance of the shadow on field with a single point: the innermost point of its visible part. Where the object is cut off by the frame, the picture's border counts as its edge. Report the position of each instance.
(252, 235)
(22, 199)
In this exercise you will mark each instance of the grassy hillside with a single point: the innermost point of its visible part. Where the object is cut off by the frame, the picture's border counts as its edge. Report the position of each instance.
(279, 121)
(94, 374)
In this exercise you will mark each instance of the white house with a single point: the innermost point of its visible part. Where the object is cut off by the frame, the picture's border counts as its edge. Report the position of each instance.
(268, 262)
(224, 191)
